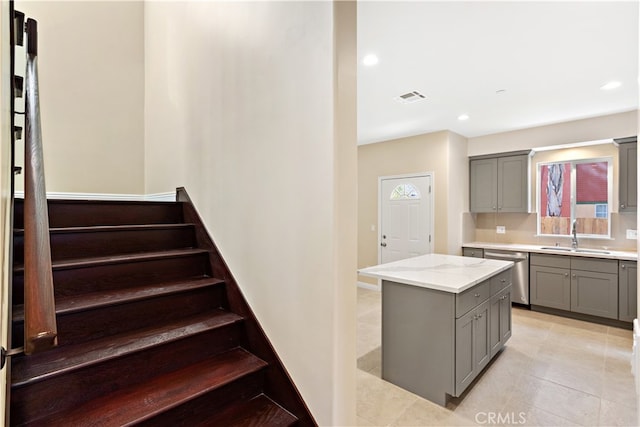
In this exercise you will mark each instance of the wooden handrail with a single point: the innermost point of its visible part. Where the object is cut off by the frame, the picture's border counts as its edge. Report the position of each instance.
(40, 330)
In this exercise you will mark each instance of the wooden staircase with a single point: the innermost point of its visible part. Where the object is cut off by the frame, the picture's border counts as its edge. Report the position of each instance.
(152, 327)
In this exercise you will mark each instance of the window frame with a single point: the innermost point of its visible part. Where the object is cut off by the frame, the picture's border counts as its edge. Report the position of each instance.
(573, 187)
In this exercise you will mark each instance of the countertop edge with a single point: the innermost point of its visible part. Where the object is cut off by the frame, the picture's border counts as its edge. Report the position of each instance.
(439, 286)
(515, 247)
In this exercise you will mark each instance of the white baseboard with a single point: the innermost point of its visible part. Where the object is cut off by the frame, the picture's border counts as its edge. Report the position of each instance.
(369, 286)
(156, 197)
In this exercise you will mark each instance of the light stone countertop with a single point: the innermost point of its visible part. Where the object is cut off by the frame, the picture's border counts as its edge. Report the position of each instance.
(447, 273)
(598, 253)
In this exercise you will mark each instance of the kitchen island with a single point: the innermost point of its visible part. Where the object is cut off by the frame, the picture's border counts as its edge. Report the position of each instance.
(444, 318)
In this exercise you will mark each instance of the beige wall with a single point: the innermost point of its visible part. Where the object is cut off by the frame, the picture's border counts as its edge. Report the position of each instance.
(91, 70)
(247, 108)
(442, 153)
(610, 126)
(5, 190)
(458, 194)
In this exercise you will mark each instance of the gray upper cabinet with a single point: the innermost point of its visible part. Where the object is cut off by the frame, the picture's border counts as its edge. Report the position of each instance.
(628, 172)
(500, 183)
(628, 290)
(483, 185)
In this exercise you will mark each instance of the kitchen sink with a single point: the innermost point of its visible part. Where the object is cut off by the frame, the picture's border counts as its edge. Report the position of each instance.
(592, 251)
(557, 248)
(567, 249)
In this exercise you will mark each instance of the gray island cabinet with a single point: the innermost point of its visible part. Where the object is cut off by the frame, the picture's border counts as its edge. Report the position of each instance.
(443, 318)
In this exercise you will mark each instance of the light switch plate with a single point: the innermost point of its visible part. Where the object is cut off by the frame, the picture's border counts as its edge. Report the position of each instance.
(500, 229)
(632, 234)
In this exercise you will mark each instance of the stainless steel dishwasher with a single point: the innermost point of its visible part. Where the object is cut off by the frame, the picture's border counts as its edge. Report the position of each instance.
(520, 278)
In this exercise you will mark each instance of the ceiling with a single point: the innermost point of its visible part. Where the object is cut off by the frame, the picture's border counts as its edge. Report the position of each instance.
(548, 58)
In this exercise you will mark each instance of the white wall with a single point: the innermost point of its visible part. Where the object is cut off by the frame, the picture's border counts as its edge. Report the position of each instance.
(91, 71)
(243, 109)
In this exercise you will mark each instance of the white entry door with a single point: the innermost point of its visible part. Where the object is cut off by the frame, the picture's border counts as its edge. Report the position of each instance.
(405, 217)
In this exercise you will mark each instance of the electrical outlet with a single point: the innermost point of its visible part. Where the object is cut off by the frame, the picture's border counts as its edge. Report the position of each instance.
(500, 229)
(632, 234)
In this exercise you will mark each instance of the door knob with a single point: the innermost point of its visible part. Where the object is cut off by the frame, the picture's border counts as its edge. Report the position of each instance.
(383, 244)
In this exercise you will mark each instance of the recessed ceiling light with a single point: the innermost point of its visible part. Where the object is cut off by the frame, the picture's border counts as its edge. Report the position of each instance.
(370, 60)
(611, 85)
(463, 117)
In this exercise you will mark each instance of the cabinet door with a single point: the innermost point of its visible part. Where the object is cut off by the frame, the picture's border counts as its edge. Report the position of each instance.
(500, 324)
(627, 291)
(495, 335)
(464, 351)
(628, 167)
(594, 293)
(483, 185)
(550, 287)
(481, 345)
(505, 315)
(513, 184)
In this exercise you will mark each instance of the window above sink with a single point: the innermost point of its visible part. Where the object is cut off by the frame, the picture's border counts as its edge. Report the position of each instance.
(575, 190)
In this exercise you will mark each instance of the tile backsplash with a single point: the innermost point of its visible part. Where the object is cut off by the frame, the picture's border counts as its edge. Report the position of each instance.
(521, 228)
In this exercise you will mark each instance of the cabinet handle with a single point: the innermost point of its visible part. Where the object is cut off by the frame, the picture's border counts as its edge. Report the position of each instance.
(566, 274)
(573, 275)
(499, 208)
(493, 207)
(622, 266)
(476, 295)
(480, 316)
(622, 206)
(503, 280)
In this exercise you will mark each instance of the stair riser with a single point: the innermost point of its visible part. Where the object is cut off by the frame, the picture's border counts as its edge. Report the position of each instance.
(195, 412)
(93, 279)
(101, 322)
(70, 244)
(41, 399)
(65, 213)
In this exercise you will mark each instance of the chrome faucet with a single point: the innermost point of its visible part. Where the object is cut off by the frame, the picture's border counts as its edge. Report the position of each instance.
(574, 239)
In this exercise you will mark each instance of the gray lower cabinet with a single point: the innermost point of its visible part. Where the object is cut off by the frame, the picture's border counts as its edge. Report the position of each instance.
(473, 252)
(594, 286)
(550, 286)
(627, 291)
(473, 350)
(500, 320)
(435, 343)
(577, 284)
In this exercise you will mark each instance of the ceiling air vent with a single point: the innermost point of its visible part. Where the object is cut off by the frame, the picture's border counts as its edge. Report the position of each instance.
(410, 97)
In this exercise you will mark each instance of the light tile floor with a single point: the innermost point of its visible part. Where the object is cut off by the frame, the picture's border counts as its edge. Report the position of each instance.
(554, 371)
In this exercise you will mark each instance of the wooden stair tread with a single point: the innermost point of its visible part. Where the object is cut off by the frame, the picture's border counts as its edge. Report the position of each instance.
(144, 401)
(258, 411)
(106, 228)
(81, 302)
(117, 259)
(30, 369)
